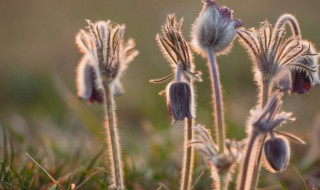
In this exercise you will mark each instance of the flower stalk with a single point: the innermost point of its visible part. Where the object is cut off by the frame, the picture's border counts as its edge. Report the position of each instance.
(276, 68)
(180, 92)
(248, 163)
(106, 56)
(260, 144)
(217, 100)
(188, 157)
(113, 140)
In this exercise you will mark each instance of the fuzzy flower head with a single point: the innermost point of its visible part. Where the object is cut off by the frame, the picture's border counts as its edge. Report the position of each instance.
(177, 51)
(180, 100)
(214, 29)
(105, 57)
(301, 74)
(272, 52)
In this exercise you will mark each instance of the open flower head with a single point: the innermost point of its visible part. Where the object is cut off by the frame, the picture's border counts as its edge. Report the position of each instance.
(272, 53)
(106, 53)
(301, 74)
(214, 29)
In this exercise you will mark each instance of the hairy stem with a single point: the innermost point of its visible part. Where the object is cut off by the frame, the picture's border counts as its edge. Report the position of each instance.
(188, 158)
(265, 93)
(246, 171)
(217, 100)
(113, 141)
(179, 72)
(224, 180)
(255, 175)
(294, 25)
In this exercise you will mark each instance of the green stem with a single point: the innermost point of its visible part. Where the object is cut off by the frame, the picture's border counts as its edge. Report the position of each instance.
(188, 158)
(113, 141)
(217, 100)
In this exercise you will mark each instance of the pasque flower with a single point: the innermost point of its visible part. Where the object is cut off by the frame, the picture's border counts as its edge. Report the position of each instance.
(263, 123)
(277, 153)
(179, 92)
(175, 49)
(106, 56)
(272, 53)
(213, 33)
(214, 29)
(179, 100)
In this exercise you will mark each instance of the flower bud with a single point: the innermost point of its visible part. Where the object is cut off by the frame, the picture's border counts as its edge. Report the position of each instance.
(277, 153)
(86, 87)
(179, 100)
(215, 28)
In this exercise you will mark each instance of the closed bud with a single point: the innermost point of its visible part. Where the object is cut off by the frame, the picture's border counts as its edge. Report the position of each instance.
(179, 100)
(277, 153)
(215, 28)
(86, 82)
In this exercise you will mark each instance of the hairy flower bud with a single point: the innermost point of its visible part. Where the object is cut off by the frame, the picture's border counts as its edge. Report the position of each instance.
(277, 153)
(86, 85)
(215, 28)
(179, 100)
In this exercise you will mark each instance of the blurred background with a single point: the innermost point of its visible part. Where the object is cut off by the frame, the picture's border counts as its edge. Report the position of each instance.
(43, 116)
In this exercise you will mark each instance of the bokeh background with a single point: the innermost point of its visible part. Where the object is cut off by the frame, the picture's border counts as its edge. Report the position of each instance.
(43, 116)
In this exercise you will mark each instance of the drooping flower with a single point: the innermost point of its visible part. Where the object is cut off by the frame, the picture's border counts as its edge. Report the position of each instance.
(272, 53)
(277, 153)
(179, 100)
(214, 29)
(176, 50)
(106, 56)
(85, 81)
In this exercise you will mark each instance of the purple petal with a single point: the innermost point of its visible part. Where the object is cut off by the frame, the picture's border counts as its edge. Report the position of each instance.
(301, 83)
